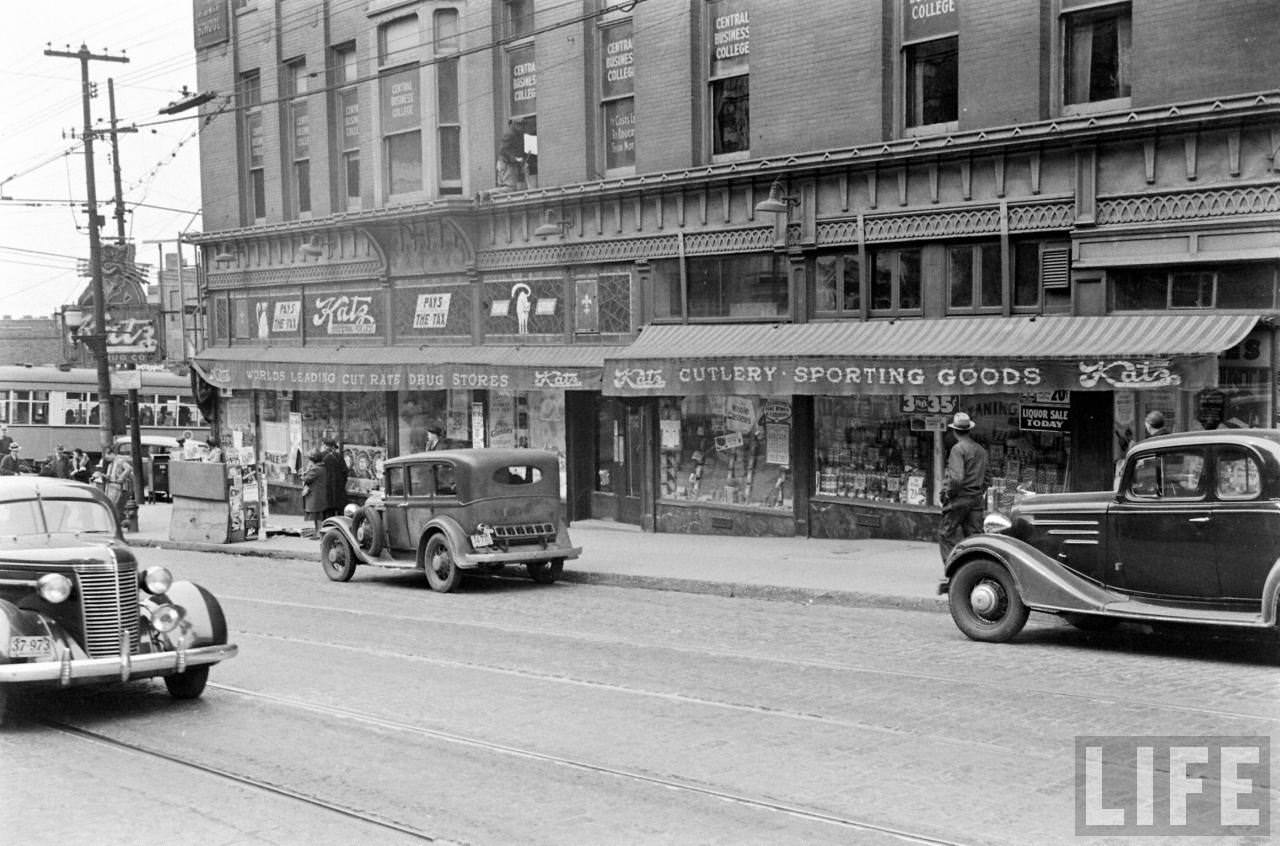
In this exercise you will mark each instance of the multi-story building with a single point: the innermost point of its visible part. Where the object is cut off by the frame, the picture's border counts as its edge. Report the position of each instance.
(738, 261)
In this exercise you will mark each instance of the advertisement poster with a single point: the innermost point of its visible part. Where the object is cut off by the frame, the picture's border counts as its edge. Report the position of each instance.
(670, 435)
(364, 466)
(502, 420)
(777, 439)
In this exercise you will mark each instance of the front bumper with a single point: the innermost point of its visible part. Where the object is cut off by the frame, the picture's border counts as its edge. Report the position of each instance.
(68, 671)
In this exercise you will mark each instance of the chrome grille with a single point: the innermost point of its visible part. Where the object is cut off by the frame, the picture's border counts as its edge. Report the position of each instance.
(515, 534)
(109, 600)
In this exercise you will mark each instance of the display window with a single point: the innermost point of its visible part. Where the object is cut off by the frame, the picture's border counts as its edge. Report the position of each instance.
(358, 421)
(730, 450)
(870, 449)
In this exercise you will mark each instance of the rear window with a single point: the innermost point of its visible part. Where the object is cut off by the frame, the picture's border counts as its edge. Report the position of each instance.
(517, 474)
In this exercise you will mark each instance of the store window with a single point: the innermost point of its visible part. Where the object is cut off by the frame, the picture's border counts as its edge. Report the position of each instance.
(729, 77)
(838, 284)
(737, 286)
(358, 421)
(1096, 53)
(448, 112)
(401, 105)
(727, 450)
(896, 286)
(1246, 286)
(974, 282)
(298, 135)
(872, 448)
(347, 106)
(421, 411)
(617, 95)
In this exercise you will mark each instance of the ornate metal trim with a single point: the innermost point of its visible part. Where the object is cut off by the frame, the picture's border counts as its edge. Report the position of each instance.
(1190, 205)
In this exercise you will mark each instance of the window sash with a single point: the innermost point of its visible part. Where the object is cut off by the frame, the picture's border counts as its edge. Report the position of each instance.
(1097, 55)
(932, 84)
(730, 115)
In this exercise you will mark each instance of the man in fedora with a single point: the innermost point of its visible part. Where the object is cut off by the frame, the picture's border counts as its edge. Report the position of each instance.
(9, 465)
(964, 483)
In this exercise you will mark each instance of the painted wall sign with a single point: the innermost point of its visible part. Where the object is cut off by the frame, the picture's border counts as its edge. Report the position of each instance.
(210, 20)
(341, 314)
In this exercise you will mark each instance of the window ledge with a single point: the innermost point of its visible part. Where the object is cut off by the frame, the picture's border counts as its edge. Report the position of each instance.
(945, 128)
(1116, 104)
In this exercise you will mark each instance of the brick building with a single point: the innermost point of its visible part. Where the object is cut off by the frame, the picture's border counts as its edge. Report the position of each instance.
(738, 261)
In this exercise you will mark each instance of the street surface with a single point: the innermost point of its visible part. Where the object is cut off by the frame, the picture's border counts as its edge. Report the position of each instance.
(510, 713)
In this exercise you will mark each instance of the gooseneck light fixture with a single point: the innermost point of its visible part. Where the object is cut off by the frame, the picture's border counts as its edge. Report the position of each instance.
(553, 225)
(777, 202)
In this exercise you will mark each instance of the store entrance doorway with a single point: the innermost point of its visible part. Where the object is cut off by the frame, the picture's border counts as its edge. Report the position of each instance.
(620, 461)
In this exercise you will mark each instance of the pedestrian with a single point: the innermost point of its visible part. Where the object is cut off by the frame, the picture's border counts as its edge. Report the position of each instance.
(435, 438)
(315, 490)
(335, 466)
(80, 471)
(964, 484)
(62, 463)
(214, 453)
(6, 442)
(1155, 424)
(9, 465)
(118, 476)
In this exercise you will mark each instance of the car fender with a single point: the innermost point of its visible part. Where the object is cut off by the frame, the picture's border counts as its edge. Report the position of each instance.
(1271, 597)
(1043, 583)
(202, 617)
(342, 525)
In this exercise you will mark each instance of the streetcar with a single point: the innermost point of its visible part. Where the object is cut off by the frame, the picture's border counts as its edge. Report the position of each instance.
(44, 407)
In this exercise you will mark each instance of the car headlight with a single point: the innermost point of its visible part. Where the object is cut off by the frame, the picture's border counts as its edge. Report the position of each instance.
(53, 587)
(156, 580)
(165, 618)
(995, 523)
(350, 511)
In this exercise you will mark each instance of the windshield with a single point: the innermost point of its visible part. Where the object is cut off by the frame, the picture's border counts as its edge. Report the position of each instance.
(21, 518)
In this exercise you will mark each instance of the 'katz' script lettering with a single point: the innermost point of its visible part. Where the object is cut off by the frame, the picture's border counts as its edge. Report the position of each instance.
(343, 315)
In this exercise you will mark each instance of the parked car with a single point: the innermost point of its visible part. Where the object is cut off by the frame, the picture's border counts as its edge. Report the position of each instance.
(450, 511)
(1191, 534)
(77, 608)
(156, 452)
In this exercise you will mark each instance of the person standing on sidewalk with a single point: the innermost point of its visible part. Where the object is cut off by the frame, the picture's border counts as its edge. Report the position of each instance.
(335, 466)
(963, 486)
(315, 491)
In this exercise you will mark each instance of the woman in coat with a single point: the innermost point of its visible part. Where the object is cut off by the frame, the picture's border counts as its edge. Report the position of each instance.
(315, 490)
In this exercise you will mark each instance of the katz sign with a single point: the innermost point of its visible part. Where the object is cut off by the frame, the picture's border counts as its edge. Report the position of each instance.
(828, 377)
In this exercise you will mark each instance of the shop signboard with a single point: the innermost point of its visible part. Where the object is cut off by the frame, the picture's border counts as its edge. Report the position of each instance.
(1042, 417)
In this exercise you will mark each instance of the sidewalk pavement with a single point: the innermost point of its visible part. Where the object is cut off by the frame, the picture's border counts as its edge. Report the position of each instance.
(869, 572)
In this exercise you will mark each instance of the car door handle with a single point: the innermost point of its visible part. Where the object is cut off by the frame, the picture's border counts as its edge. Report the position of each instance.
(1199, 519)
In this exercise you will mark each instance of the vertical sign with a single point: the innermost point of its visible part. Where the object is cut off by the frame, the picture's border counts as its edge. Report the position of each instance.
(253, 128)
(619, 60)
(524, 81)
(210, 18)
(349, 100)
(730, 37)
(301, 130)
(400, 102)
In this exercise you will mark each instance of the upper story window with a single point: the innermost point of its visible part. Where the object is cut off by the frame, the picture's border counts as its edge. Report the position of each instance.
(346, 96)
(974, 280)
(729, 77)
(1096, 53)
(1244, 286)
(400, 105)
(896, 283)
(838, 285)
(298, 135)
(930, 64)
(448, 111)
(517, 18)
(517, 165)
(250, 97)
(617, 95)
(743, 286)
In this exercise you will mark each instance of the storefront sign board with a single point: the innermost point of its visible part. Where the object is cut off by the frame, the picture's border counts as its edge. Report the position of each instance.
(1042, 417)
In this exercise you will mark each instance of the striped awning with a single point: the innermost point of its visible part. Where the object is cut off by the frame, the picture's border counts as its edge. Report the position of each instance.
(315, 368)
(952, 355)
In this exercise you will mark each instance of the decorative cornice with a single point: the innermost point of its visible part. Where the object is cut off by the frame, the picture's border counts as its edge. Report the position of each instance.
(1190, 205)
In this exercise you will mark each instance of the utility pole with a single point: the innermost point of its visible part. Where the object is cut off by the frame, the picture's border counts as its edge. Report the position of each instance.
(135, 434)
(98, 338)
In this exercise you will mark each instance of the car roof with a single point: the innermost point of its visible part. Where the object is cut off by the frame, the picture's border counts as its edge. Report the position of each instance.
(1263, 438)
(481, 458)
(26, 487)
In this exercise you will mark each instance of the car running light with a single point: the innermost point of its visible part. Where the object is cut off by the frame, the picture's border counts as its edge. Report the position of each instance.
(156, 580)
(54, 587)
(165, 618)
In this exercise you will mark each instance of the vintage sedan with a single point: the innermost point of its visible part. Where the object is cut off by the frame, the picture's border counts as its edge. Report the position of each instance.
(1191, 534)
(77, 608)
(456, 510)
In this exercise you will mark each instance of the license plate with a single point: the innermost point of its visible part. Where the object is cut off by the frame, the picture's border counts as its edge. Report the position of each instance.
(28, 646)
(481, 539)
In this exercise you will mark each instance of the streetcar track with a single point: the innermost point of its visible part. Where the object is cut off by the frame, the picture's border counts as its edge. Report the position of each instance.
(742, 800)
(241, 779)
(915, 675)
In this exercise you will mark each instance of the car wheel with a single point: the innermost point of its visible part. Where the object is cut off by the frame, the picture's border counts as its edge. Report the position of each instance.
(545, 572)
(336, 558)
(367, 527)
(188, 684)
(442, 571)
(985, 603)
(1091, 622)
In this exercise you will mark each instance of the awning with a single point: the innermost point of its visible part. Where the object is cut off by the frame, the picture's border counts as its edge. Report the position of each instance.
(955, 355)
(313, 368)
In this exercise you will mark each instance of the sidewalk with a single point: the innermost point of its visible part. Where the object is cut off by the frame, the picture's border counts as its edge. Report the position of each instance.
(876, 573)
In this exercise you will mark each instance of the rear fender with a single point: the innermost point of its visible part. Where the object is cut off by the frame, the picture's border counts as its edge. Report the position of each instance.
(458, 541)
(203, 620)
(1271, 597)
(1043, 583)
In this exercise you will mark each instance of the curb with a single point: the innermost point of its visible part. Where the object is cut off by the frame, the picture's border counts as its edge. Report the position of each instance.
(729, 590)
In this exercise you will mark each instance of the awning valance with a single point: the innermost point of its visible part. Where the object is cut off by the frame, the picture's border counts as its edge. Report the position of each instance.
(313, 368)
(955, 355)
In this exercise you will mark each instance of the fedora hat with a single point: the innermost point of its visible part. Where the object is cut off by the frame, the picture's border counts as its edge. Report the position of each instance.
(961, 422)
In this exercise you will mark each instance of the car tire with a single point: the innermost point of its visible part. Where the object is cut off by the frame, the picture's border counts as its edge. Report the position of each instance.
(545, 572)
(336, 557)
(188, 684)
(367, 528)
(984, 601)
(442, 570)
(1091, 622)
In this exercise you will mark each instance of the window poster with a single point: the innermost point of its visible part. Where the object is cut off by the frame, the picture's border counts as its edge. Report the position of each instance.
(400, 112)
(929, 19)
(730, 37)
